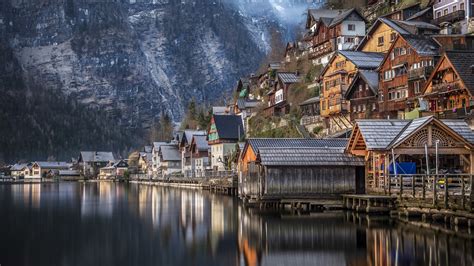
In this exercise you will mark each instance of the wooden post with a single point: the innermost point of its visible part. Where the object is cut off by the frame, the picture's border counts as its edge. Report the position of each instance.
(423, 190)
(462, 192)
(435, 196)
(413, 186)
(400, 181)
(445, 192)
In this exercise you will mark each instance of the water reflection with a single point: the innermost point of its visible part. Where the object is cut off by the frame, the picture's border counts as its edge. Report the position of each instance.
(119, 224)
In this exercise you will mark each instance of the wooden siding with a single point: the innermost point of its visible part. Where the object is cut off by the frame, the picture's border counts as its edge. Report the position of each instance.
(372, 44)
(363, 96)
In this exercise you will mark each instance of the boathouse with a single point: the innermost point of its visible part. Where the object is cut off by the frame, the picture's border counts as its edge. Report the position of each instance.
(421, 148)
(282, 169)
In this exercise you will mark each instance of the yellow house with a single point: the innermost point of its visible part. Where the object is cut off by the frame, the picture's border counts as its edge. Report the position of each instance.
(384, 32)
(337, 76)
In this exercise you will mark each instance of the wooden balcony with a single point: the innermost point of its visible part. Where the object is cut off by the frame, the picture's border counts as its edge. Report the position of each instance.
(324, 48)
(446, 87)
(419, 73)
(451, 17)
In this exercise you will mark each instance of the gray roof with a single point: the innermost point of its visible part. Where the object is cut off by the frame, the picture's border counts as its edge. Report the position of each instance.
(258, 143)
(327, 13)
(363, 60)
(147, 148)
(18, 166)
(343, 15)
(370, 77)
(288, 77)
(157, 145)
(229, 127)
(219, 110)
(420, 13)
(97, 156)
(311, 100)
(243, 103)
(463, 62)
(201, 142)
(170, 153)
(308, 156)
(68, 173)
(188, 134)
(422, 45)
(379, 133)
(416, 24)
(274, 65)
(383, 134)
(54, 165)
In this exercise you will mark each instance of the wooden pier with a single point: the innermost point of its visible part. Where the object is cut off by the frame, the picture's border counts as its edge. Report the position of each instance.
(369, 203)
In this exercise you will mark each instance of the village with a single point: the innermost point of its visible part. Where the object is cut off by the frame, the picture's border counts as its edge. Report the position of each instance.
(366, 112)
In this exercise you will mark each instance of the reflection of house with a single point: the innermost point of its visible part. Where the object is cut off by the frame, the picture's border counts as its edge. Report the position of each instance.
(315, 168)
(376, 140)
(224, 133)
(91, 161)
(450, 88)
(403, 72)
(278, 97)
(45, 169)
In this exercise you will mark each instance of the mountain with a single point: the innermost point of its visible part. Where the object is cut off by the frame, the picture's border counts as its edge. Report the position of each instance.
(124, 63)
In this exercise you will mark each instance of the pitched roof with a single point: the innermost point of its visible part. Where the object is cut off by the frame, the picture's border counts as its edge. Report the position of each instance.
(157, 145)
(257, 143)
(188, 135)
(410, 128)
(288, 77)
(311, 100)
(363, 60)
(415, 24)
(170, 153)
(308, 156)
(18, 166)
(422, 45)
(379, 133)
(463, 62)
(97, 156)
(343, 15)
(374, 26)
(460, 127)
(371, 78)
(420, 13)
(201, 142)
(327, 13)
(53, 165)
(229, 126)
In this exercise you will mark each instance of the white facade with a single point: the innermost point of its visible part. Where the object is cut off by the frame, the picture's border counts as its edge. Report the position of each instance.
(218, 153)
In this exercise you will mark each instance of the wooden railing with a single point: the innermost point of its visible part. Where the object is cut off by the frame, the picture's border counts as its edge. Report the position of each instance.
(451, 17)
(442, 190)
(419, 72)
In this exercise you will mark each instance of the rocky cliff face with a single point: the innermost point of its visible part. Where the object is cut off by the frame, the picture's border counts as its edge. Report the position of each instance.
(135, 59)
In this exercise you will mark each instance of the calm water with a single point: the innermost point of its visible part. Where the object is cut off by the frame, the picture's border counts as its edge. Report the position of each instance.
(118, 224)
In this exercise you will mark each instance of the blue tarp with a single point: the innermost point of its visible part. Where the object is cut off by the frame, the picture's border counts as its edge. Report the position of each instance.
(403, 168)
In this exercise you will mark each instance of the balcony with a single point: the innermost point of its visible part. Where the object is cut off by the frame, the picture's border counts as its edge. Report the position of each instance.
(446, 87)
(418, 73)
(323, 49)
(451, 17)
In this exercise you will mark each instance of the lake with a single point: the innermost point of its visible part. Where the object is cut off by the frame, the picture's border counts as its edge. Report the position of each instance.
(128, 224)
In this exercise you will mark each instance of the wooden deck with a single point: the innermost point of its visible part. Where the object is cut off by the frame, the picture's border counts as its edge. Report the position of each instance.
(369, 203)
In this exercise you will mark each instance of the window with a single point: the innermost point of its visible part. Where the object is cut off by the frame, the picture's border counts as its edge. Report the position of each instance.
(380, 41)
(455, 8)
(461, 6)
(393, 36)
(416, 87)
(351, 27)
(374, 107)
(340, 64)
(366, 87)
(360, 87)
(438, 14)
(445, 12)
(381, 97)
(350, 40)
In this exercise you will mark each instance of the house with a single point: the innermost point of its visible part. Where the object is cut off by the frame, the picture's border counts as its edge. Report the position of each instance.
(454, 16)
(91, 161)
(404, 12)
(310, 114)
(273, 169)
(46, 169)
(424, 15)
(278, 104)
(336, 77)
(18, 170)
(170, 160)
(333, 33)
(455, 42)
(185, 150)
(379, 141)
(362, 95)
(225, 131)
(155, 161)
(199, 151)
(403, 72)
(313, 17)
(384, 31)
(449, 90)
(145, 163)
(114, 170)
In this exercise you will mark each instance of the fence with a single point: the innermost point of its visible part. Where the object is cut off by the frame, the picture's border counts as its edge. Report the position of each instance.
(442, 190)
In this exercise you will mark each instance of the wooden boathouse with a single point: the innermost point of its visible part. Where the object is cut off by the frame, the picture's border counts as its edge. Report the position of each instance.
(425, 163)
(300, 171)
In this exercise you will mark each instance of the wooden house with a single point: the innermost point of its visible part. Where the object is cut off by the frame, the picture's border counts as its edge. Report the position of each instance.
(449, 91)
(277, 169)
(408, 63)
(455, 42)
(336, 77)
(278, 104)
(91, 161)
(362, 95)
(333, 33)
(46, 169)
(313, 16)
(380, 141)
(404, 12)
(224, 133)
(199, 155)
(384, 31)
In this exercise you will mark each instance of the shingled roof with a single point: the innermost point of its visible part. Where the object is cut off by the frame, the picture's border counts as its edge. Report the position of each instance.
(288, 77)
(96, 156)
(258, 143)
(463, 62)
(371, 78)
(170, 153)
(422, 45)
(363, 60)
(308, 156)
(229, 126)
(201, 142)
(311, 100)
